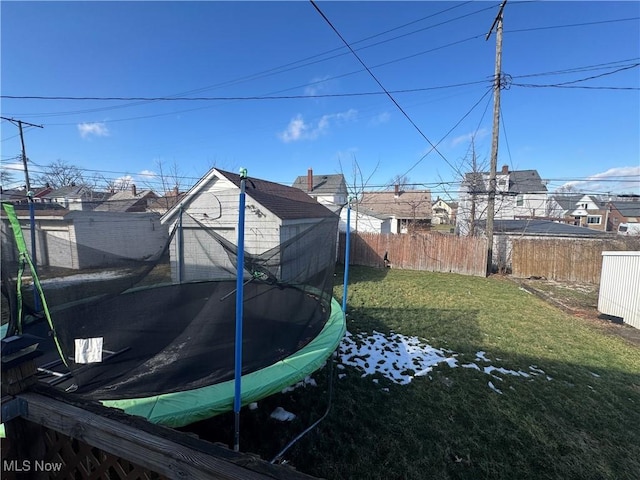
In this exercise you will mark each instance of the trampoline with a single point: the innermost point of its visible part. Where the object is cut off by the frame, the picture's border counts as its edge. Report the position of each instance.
(161, 347)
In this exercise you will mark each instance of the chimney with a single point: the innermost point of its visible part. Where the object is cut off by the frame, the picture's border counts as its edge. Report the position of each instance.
(310, 180)
(505, 169)
(133, 189)
(397, 190)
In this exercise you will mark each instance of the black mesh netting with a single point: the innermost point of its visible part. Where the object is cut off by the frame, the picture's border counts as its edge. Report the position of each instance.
(161, 296)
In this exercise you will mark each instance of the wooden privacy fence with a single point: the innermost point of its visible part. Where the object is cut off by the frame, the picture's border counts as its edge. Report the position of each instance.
(564, 259)
(432, 252)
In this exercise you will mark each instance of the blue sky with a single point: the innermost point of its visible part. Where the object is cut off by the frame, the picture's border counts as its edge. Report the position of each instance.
(224, 60)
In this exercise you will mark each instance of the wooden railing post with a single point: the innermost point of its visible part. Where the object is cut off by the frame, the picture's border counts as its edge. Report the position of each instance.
(25, 440)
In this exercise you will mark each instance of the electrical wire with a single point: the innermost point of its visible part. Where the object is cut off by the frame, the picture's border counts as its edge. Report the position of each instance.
(393, 100)
(279, 455)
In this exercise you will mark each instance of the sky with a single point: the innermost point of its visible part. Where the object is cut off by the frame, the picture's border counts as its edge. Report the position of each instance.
(373, 90)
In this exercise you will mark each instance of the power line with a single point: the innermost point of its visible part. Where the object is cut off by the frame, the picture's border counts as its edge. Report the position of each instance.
(255, 97)
(593, 77)
(393, 100)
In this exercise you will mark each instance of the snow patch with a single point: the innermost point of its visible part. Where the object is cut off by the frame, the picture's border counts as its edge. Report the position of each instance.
(402, 358)
(282, 415)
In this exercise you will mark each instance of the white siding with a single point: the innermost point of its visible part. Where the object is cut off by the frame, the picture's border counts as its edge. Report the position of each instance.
(619, 286)
(93, 239)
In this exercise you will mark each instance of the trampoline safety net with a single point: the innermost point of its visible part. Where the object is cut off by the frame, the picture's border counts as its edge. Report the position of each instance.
(143, 305)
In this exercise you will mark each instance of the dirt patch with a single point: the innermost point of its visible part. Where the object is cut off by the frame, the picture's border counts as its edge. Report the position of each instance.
(579, 300)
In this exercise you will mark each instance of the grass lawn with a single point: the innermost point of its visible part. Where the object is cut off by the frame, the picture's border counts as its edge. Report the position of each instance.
(544, 395)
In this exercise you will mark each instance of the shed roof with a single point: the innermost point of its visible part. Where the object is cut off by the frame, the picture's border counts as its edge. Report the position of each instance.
(285, 202)
(544, 228)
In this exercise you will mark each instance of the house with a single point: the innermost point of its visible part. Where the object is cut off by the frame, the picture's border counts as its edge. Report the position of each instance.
(19, 195)
(329, 190)
(622, 212)
(561, 205)
(590, 212)
(275, 214)
(408, 210)
(76, 239)
(364, 220)
(76, 197)
(129, 200)
(444, 213)
(519, 194)
(163, 204)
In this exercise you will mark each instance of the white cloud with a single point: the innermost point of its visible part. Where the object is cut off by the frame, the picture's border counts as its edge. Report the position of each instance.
(618, 179)
(467, 137)
(148, 174)
(318, 86)
(97, 128)
(379, 119)
(298, 129)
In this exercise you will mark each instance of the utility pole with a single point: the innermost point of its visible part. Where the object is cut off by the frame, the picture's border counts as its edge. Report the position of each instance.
(491, 206)
(34, 258)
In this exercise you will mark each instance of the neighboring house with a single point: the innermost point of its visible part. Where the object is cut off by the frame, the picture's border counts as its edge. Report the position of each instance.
(129, 200)
(75, 197)
(519, 194)
(330, 190)
(13, 195)
(590, 212)
(407, 210)
(622, 212)
(561, 205)
(363, 220)
(208, 214)
(88, 239)
(16, 195)
(163, 204)
(444, 213)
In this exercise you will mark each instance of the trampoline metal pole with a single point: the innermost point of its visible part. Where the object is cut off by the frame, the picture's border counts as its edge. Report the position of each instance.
(237, 403)
(347, 248)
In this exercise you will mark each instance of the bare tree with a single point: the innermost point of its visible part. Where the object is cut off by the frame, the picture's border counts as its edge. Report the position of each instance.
(60, 174)
(6, 177)
(472, 201)
(118, 184)
(402, 181)
(357, 184)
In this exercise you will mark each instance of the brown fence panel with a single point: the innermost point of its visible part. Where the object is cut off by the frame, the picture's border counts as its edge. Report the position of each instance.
(432, 252)
(564, 259)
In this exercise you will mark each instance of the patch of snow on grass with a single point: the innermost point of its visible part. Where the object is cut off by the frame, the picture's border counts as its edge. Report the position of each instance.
(401, 358)
(493, 387)
(302, 383)
(398, 357)
(481, 356)
(282, 415)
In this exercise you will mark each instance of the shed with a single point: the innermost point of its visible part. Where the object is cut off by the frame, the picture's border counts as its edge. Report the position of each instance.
(619, 293)
(87, 239)
(506, 231)
(275, 214)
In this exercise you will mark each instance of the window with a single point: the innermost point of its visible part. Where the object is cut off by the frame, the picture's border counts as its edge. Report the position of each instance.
(594, 220)
(519, 201)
